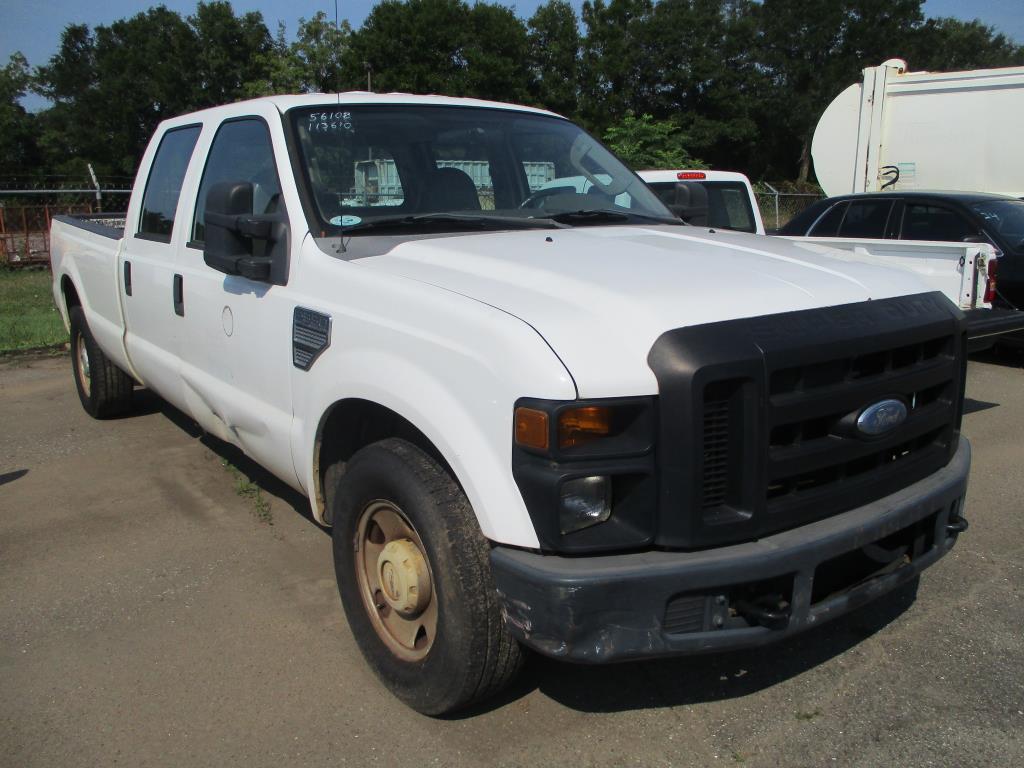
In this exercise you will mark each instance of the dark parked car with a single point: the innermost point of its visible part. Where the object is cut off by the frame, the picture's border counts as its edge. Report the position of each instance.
(948, 216)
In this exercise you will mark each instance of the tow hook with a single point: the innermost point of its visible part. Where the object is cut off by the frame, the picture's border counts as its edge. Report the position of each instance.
(956, 525)
(771, 611)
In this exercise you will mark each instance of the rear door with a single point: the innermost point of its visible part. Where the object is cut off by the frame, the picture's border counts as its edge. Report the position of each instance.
(148, 265)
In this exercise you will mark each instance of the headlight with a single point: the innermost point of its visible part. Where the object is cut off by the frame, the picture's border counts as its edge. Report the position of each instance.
(586, 471)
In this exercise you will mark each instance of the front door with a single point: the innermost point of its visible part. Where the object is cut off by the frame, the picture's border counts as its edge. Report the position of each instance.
(236, 356)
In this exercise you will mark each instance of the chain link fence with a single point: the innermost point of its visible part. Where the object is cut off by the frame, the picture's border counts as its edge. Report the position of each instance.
(777, 208)
(26, 212)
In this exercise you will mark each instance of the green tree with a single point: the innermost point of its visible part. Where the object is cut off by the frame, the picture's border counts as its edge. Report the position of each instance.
(813, 49)
(497, 54)
(17, 130)
(617, 74)
(280, 70)
(645, 143)
(709, 81)
(231, 51)
(113, 86)
(442, 46)
(416, 46)
(950, 44)
(554, 40)
(319, 52)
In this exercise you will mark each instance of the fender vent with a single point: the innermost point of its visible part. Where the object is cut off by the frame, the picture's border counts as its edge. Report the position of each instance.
(311, 335)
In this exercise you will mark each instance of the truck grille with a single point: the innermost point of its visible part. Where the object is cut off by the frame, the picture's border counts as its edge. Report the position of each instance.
(815, 457)
(715, 448)
(757, 416)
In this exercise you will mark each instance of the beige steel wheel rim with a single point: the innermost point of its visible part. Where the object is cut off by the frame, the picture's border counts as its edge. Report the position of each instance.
(395, 581)
(82, 365)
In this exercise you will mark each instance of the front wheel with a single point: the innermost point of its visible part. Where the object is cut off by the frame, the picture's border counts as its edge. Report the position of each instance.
(104, 389)
(414, 576)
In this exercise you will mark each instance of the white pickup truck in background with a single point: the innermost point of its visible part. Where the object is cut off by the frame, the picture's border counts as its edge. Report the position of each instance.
(534, 416)
(722, 199)
(964, 272)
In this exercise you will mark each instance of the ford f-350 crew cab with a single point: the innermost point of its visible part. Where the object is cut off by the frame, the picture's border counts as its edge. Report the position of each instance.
(565, 421)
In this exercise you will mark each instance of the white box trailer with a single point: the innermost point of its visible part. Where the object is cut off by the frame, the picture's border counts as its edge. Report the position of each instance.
(900, 130)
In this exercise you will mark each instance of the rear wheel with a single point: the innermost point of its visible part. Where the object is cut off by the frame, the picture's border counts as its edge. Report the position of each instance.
(104, 389)
(414, 576)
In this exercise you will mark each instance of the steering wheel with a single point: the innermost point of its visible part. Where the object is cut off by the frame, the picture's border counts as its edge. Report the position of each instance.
(536, 200)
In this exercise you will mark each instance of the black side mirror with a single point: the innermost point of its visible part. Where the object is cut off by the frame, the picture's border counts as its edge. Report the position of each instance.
(239, 242)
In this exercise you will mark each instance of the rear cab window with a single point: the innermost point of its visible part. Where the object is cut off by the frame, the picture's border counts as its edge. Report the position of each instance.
(722, 204)
(163, 186)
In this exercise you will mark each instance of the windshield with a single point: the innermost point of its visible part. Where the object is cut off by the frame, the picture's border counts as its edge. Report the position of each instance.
(442, 167)
(1006, 218)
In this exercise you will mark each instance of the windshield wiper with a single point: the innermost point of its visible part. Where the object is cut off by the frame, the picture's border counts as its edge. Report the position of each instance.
(605, 216)
(456, 220)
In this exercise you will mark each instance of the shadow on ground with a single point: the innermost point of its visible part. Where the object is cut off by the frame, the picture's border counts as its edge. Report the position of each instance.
(145, 402)
(1002, 354)
(631, 685)
(700, 679)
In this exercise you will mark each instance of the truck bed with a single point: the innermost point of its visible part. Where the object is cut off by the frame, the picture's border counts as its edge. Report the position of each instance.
(106, 224)
(90, 245)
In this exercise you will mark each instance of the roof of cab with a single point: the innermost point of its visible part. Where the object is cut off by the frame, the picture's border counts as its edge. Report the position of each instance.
(353, 98)
(663, 175)
(929, 194)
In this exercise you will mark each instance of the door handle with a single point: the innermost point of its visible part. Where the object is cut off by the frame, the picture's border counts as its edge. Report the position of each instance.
(179, 297)
(128, 278)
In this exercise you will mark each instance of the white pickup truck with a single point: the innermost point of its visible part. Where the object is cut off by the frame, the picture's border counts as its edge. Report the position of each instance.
(566, 421)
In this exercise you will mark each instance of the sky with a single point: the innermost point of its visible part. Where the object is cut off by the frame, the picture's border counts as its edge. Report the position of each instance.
(34, 26)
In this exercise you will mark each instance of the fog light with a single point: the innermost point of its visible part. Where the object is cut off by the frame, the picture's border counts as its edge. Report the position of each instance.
(586, 501)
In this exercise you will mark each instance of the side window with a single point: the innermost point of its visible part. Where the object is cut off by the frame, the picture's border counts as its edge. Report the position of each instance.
(922, 221)
(828, 225)
(866, 218)
(163, 187)
(241, 151)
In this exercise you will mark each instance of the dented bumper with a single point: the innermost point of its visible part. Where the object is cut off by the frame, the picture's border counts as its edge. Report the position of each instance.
(647, 604)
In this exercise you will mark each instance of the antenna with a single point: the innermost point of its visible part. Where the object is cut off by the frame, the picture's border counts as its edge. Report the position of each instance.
(336, 14)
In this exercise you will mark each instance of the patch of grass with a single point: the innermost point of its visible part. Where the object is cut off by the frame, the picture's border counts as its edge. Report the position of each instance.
(247, 489)
(28, 317)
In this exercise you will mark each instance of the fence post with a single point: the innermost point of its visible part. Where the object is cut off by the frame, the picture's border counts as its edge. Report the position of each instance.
(776, 193)
(95, 183)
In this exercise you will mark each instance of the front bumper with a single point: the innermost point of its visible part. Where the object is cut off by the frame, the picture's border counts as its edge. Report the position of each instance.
(620, 607)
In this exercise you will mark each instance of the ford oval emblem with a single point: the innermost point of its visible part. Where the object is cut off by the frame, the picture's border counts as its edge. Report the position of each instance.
(881, 417)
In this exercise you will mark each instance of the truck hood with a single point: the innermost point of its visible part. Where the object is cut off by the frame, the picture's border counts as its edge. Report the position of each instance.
(601, 296)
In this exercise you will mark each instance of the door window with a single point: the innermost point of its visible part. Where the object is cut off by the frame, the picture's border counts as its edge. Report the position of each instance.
(163, 187)
(241, 151)
(923, 221)
(828, 225)
(866, 218)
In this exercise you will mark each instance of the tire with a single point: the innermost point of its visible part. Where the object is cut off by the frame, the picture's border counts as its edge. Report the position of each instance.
(469, 655)
(104, 389)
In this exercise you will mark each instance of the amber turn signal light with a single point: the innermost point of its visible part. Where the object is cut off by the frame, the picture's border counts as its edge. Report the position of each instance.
(579, 426)
(531, 428)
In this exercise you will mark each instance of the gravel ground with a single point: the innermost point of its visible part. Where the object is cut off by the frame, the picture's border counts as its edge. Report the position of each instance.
(152, 614)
